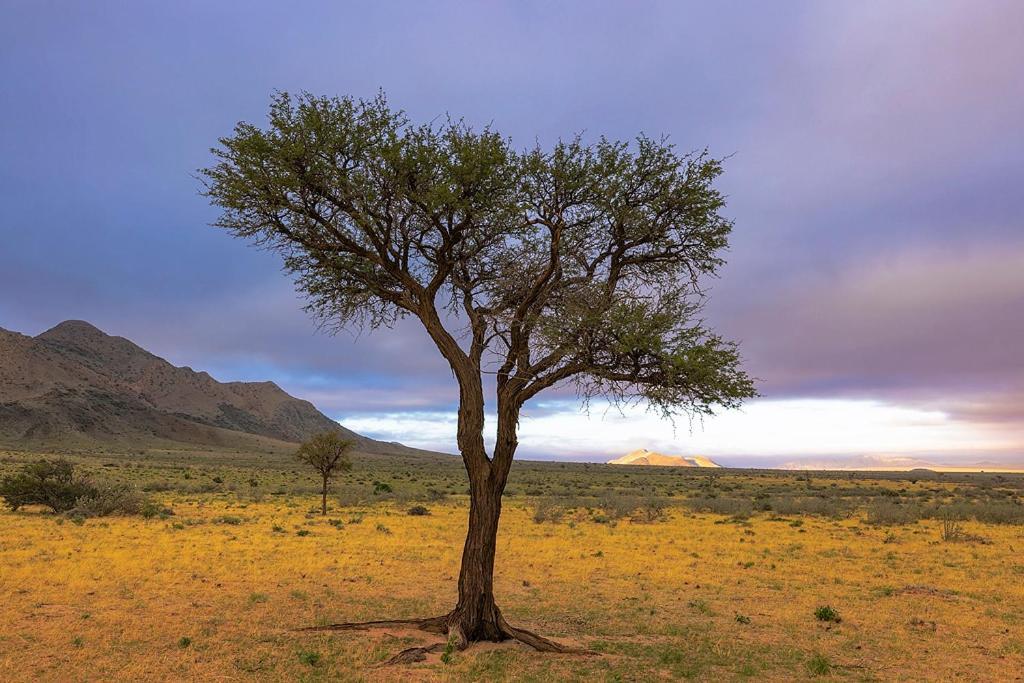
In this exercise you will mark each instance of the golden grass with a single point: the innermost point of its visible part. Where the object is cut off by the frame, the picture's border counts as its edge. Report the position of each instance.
(112, 599)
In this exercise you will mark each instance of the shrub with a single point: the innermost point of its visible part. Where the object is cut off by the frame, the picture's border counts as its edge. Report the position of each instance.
(231, 520)
(819, 665)
(546, 510)
(49, 483)
(736, 507)
(151, 509)
(827, 613)
(616, 506)
(111, 499)
(418, 511)
(309, 658)
(992, 512)
(886, 513)
(832, 508)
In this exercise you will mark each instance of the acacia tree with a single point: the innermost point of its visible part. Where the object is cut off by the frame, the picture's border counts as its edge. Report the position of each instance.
(327, 453)
(580, 266)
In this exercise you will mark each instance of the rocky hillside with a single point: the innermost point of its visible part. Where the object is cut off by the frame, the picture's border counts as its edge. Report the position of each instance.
(74, 384)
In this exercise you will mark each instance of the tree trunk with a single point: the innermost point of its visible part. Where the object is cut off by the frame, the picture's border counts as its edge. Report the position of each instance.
(323, 499)
(476, 616)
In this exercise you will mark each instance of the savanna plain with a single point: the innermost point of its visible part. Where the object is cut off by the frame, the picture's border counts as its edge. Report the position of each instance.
(664, 573)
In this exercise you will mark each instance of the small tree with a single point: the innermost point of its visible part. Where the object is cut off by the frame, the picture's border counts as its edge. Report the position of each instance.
(327, 453)
(581, 265)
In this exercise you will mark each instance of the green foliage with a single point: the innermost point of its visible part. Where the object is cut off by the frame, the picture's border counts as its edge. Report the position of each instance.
(310, 658)
(448, 655)
(819, 665)
(418, 511)
(55, 485)
(111, 499)
(184, 642)
(585, 257)
(50, 483)
(827, 613)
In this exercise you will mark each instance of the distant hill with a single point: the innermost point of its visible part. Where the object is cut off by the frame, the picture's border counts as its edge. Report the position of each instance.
(897, 463)
(642, 456)
(75, 385)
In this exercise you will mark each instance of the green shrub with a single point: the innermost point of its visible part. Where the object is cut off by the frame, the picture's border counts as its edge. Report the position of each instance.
(418, 511)
(110, 499)
(827, 613)
(819, 665)
(886, 513)
(151, 509)
(309, 658)
(49, 483)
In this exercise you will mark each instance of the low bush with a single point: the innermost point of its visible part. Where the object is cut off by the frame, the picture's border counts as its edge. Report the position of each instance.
(888, 513)
(833, 508)
(827, 613)
(990, 511)
(53, 483)
(49, 483)
(736, 507)
(547, 510)
(111, 499)
(418, 511)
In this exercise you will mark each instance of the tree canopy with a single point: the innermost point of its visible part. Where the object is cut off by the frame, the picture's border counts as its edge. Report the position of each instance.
(582, 264)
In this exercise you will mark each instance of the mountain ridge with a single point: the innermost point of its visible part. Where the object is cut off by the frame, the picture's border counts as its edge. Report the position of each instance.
(76, 384)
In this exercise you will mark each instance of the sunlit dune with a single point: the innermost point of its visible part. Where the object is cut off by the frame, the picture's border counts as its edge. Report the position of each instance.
(642, 456)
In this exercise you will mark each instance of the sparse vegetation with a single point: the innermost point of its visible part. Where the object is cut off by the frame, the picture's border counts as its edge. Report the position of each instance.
(53, 484)
(774, 567)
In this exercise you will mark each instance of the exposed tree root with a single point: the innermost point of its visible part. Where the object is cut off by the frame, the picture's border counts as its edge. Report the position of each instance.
(414, 654)
(430, 625)
(444, 625)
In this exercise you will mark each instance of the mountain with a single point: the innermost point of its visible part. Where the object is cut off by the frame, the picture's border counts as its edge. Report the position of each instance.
(76, 385)
(642, 456)
(897, 463)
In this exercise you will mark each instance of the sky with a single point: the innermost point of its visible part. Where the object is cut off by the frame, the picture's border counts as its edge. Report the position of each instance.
(875, 175)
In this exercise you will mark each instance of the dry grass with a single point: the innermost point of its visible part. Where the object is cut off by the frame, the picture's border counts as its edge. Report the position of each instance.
(195, 597)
